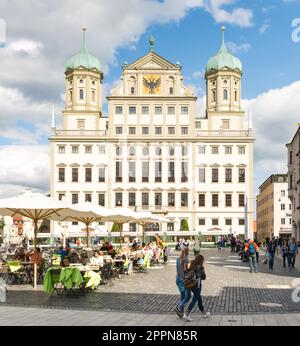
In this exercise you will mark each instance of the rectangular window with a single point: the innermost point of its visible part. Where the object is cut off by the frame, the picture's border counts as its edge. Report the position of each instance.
(228, 222)
(131, 169)
(88, 175)
(215, 200)
(145, 130)
(242, 150)
(170, 227)
(158, 200)
(158, 171)
(74, 223)
(282, 206)
(132, 227)
(215, 150)
(145, 172)
(184, 130)
(184, 172)
(88, 149)
(242, 175)
(101, 149)
(201, 175)
(118, 171)
(241, 222)
(215, 175)
(75, 149)
(171, 172)
(228, 200)
(283, 221)
(74, 198)
(74, 175)
(184, 150)
(171, 130)
(158, 130)
(225, 124)
(119, 130)
(228, 150)
(171, 110)
(80, 124)
(61, 175)
(102, 175)
(119, 199)
(184, 199)
(158, 110)
(132, 130)
(201, 149)
(215, 222)
(198, 124)
(171, 199)
(88, 197)
(145, 199)
(241, 200)
(61, 149)
(119, 110)
(101, 199)
(201, 222)
(184, 110)
(291, 158)
(145, 110)
(228, 175)
(132, 110)
(282, 193)
(131, 199)
(61, 196)
(202, 200)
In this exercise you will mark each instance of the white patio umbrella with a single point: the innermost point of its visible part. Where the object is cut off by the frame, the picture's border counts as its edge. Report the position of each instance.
(145, 217)
(35, 207)
(121, 216)
(87, 213)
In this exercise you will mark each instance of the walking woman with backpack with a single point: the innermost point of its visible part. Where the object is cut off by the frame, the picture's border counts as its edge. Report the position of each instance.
(181, 266)
(193, 283)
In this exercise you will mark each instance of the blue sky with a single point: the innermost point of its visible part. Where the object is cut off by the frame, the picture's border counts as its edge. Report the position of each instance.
(32, 64)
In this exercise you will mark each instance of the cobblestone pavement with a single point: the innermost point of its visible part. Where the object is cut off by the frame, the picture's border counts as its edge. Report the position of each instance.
(229, 290)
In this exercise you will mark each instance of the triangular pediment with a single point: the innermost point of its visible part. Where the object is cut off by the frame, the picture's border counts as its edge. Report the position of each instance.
(152, 61)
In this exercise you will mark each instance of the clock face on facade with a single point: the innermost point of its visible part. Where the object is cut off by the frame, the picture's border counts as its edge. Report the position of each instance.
(152, 85)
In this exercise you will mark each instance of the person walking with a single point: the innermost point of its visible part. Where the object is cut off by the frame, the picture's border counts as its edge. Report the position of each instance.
(181, 266)
(285, 253)
(196, 247)
(233, 243)
(196, 269)
(251, 249)
(271, 249)
(293, 251)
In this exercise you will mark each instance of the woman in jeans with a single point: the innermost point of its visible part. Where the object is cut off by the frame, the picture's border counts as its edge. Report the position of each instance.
(197, 266)
(181, 266)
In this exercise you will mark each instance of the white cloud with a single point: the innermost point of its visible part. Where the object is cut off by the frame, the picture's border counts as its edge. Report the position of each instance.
(275, 120)
(238, 48)
(24, 166)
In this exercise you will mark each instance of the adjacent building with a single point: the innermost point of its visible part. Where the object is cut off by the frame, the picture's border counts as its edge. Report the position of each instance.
(294, 181)
(274, 208)
(152, 151)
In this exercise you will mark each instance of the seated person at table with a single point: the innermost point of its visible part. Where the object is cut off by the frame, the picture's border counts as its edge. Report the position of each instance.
(84, 258)
(20, 255)
(65, 262)
(36, 257)
(97, 259)
(62, 252)
(73, 257)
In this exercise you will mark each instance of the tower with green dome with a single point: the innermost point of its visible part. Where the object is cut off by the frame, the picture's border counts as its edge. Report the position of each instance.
(83, 89)
(223, 87)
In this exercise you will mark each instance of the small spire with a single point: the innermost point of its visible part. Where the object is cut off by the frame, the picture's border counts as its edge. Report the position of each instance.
(53, 125)
(83, 38)
(152, 43)
(223, 46)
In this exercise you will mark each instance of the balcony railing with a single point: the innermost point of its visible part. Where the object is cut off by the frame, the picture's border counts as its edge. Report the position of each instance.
(78, 133)
(223, 133)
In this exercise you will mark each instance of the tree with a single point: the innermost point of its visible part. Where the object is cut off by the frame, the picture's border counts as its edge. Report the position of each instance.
(184, 226)
(115, 228)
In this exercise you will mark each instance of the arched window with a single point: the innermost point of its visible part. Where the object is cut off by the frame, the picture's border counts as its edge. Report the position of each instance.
(81, 95)
(214, 95)
(171, 91)
(71, 96)
(132, 90)
(81, 81)
(235, 96)
(171, 85)
(93, 96)
(225, 94)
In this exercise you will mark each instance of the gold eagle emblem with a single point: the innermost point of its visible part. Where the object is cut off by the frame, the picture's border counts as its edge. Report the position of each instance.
(151, 84)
